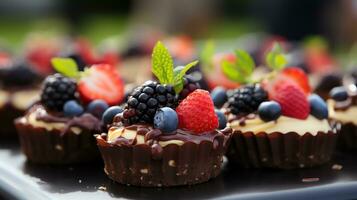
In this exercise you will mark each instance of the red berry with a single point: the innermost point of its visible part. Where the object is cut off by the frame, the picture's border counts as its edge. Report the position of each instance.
(298, 76)
(292, 100)
(101, 82)
(196, 112)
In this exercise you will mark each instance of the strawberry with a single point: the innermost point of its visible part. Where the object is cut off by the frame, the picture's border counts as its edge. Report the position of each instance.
(298, 76)
(196, 112)
(291, 98)
(101, 82)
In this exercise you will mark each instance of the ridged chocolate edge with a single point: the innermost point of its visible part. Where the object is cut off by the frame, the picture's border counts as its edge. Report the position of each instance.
(347, 136)
(185, 164)
(50, 147)
(8, 114)
(281, 150)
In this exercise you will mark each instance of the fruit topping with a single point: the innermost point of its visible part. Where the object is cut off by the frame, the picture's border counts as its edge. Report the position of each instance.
(166, 119)
(72, 108)
(101, 82)
(339, 94)
(57, 90)
(222, 120)
(189, 85)
(292, 100)
(318, 107)
(196, 112)
(18, 74)
(110, 113)
(219, 96)
(145, 101)
(298, 76)
(246, 99)
(269, 111)
(97, 107)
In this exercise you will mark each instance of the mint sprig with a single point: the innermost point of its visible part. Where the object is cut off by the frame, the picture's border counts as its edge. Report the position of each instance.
(275, 58)
(206, 56)
(241, 69)
(163, 68)
(66, 66)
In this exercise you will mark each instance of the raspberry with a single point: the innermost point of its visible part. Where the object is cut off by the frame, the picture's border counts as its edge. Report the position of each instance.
(189, 85)
(196, 112)
(57, 90)
(246, 99)
(292, 100)
(145, 100)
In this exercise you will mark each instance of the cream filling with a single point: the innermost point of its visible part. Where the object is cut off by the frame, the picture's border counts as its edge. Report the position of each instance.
(49, 126)
(113, 134)
(344, 116)
(24, 99)
(284, 125)
(4, 96)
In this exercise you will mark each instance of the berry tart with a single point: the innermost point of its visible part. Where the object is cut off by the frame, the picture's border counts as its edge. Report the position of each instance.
(159, 140)
(19, 88)
(59, 128)
(276, 121)
(343, 112)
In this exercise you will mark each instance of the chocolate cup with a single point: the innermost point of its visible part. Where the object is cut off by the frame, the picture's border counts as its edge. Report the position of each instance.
(53, 147)
(8, 114)
(172, 165)
(281, 150)
(347, 138)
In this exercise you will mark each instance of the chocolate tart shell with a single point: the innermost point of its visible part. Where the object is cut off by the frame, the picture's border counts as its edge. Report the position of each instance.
(347, 136)
(281, 150)
(173, 165)
(53, 147)
(8, 114)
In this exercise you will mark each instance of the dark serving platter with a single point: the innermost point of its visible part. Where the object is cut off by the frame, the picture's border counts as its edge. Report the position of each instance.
(22, 180)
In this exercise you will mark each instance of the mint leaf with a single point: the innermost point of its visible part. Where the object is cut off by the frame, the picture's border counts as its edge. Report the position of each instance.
(241, 70)
(206, 56)
(275, 58)
(162, 64)
(179, 74)
(66, 66)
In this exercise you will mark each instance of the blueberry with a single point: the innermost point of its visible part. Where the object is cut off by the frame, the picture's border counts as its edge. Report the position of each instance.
(110, 113)
(269, 110)
(166, 120)
(97, 107)
(318, 107)
(221, 119)
(72, 108)
(339, 93)
(219, 96)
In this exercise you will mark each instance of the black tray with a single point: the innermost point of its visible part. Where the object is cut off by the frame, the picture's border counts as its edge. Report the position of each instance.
(22, 180)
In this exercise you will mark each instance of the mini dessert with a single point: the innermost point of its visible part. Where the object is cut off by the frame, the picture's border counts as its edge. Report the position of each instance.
(59, 128)
(18, 90)
(343, 112)
(161, 138)
(276, 122)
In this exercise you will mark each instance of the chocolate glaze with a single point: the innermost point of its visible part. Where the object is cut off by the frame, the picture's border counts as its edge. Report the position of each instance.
(85, 121)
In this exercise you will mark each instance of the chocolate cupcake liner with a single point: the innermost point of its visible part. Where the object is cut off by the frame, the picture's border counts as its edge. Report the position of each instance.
(347, 138)
(171, 165)
(283, 151)
(53, 147)
(8, 114)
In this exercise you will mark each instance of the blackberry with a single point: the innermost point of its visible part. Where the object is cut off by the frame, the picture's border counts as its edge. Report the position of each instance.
(189, 85)
(247, 99)
(144, 101)
(57, 90)
(19, 73)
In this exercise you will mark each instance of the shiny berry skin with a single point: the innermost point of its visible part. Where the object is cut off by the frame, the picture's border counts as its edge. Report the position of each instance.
(318, 107)
(166, 120)
(97, 107)
(222, 120)
(57, 90)
(269, 111)
(110, 113)
(72, 108)
(219, 96)
(339, 94)
(189, 85)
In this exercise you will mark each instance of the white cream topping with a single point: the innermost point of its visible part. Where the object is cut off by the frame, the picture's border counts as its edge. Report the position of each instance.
(4, 96)
(284, 125)
(23, 99)
(345, 116)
